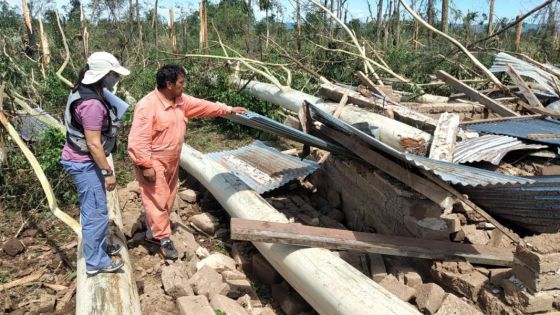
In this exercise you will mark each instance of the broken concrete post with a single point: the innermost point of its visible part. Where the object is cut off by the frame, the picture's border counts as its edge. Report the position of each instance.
(329, 284)
(443, 142)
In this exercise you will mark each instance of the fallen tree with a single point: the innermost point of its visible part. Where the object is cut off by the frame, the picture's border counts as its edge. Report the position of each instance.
(327, 282)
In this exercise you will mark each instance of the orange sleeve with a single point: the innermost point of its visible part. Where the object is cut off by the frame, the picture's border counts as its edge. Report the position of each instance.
(196, 107)
(140, 136)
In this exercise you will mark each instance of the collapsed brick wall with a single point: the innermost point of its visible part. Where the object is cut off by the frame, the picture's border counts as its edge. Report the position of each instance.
(372, 201)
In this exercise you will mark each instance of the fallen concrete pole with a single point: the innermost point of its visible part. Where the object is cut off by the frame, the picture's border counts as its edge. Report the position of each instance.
(327, 282)
(108, 293)
(391, 132)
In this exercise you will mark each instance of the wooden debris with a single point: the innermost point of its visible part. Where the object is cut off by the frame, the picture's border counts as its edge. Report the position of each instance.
(543, 135)
(475, 95)
(340, 106)
(523, 87)
(22, 281)
(445, 136)
(54, 286)
(297, 234)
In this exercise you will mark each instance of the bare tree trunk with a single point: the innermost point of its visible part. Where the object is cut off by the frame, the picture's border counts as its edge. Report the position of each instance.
(138, 22)
(44, 45)
(445, 16)
(85, 33)
(416, 28)
(379, 19)
(397, 34)
(155, 23)
(430, 20)
(203, 34)
(267, 29)
(185, 30)
(518, 28)
(130, 14)
(298, 26)
(30, 50)
(172, 35)
(491, 18)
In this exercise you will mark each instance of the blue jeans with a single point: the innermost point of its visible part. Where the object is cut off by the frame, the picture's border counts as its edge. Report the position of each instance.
(94, 216)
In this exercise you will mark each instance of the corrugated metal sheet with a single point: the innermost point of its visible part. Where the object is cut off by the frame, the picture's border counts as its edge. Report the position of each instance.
(491, 148)
(521, 128)
(453, 173)
(524, 68)
(535, 207)
(463, 175)
(263, 123)
(263, 168)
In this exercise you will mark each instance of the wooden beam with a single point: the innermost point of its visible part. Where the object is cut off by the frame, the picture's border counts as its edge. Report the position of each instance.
(22, 281)
(543, 135)
(479, 121)
(309, 236)
(369, 83)
(393, 169)
(340, 106)
(475, 95)
(523, 87)
(445, 136)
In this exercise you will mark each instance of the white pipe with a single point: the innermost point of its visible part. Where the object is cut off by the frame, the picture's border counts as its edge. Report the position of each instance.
(390, 131)
(328, 283)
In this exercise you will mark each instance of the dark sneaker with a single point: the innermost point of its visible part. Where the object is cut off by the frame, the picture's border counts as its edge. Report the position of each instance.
(168, 250)
(115, 265)
(113, 249)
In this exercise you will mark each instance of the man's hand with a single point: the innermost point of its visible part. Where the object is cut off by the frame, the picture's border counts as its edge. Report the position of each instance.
(238, 109)
(110, 182)
(149, 174)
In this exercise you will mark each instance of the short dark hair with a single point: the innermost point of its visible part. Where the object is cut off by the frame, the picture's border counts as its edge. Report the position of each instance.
(169, 73)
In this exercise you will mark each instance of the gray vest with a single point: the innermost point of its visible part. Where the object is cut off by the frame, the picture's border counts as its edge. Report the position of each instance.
(75, 131)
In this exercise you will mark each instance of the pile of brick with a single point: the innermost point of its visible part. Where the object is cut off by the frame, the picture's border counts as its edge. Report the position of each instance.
(535, 282)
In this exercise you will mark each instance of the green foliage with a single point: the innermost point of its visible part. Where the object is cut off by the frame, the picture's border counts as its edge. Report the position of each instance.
(219, 312)
(49, 146)
(54, 93)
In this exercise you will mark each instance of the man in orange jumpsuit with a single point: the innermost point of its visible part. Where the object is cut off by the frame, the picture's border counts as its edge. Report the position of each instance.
(154, 144)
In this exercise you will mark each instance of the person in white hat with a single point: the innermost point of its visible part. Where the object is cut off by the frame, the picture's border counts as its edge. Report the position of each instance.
(92, 127)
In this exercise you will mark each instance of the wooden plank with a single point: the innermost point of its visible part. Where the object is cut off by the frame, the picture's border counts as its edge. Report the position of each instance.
(475, 95)
(445, 136)
(340, 106)
(478, 121)
(523, 87)
(543, 135)
(393, 169)
(310, 236)
(365, 80)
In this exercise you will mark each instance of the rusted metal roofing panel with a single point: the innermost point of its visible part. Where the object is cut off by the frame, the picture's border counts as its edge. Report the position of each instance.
(521, 128)
(535, 207)
(263, 168)
(491, 148)
(450, 172)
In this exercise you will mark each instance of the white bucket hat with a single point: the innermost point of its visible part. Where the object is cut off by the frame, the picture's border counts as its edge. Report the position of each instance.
(101, 63)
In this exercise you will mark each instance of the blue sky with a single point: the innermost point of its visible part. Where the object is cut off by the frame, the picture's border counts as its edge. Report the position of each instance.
(357, 8)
